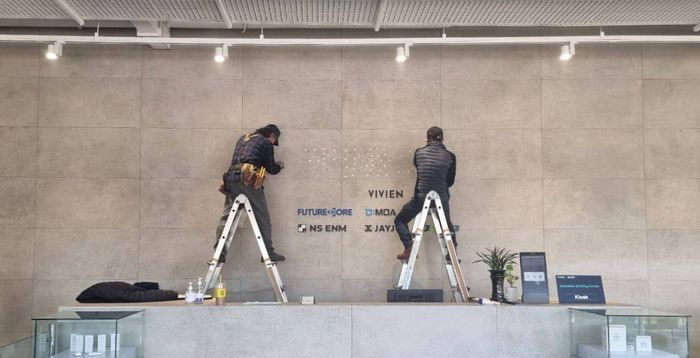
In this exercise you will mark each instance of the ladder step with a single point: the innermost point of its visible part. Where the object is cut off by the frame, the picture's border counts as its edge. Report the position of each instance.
(241, 205)
(447, 247)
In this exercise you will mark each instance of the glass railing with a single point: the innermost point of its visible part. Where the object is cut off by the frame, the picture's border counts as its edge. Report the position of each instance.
(22, 348)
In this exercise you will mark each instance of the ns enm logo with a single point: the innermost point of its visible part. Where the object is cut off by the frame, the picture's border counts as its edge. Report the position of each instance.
(380, 212)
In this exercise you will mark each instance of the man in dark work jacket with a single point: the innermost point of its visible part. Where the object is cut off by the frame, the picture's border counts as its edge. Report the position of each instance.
(435, 170)
(255, 148)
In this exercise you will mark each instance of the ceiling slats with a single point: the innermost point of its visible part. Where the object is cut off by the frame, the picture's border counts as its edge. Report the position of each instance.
(409, 13)
(361, 13)
(153, 10)
(30, 9)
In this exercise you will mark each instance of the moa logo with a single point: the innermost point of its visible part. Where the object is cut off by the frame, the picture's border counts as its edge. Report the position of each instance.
(380, 212)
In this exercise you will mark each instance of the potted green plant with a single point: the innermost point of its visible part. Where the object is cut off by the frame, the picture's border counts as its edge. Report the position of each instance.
(497, 259)
(511, 278)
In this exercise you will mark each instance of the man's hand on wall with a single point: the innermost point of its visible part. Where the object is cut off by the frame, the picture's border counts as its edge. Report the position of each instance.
(222, 188)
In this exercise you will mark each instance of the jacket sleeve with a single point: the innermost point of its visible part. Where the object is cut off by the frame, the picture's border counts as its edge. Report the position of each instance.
(452, 171)
(270, 165)
(236, 151)
(415, 164)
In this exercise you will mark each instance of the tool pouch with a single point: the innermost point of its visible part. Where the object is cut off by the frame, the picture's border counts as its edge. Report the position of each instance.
(250, 176)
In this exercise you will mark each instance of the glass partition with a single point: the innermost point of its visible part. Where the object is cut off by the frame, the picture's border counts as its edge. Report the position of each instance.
(117, 334)
(599, 333)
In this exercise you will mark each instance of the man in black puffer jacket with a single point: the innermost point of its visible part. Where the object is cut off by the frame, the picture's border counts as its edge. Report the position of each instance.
(435, 170)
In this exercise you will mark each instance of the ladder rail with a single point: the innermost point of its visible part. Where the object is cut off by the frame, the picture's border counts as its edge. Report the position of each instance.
(407, 267)
(404, 265)
(270, 266)
(444, 251)
(453, 274)
(242, 203)
(454, 271)
(452, 249)
(225, 240)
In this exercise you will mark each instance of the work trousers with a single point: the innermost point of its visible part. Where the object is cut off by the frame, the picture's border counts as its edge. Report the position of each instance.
(258, 202)
(409, 212)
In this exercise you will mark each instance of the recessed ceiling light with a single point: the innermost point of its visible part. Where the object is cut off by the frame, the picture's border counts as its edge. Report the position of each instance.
(402, 53)
(221, 53)
(54, 51)
(567, 52)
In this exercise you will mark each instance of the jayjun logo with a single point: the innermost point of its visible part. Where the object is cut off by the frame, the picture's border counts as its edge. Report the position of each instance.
(380, 228)
(380, 212)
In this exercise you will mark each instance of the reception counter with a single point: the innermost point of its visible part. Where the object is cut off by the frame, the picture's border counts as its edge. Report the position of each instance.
(174, 329)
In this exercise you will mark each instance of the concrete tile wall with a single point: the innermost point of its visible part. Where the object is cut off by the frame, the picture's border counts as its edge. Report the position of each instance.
(598, 103)
(444, 340)
(377, 104)
(93, 153)
(303, 104)
(593, 153)
(18, 99)
(190, 103)
(18, 146)
(20, 60)
(89, 102)
(498, 104)
(113, 154)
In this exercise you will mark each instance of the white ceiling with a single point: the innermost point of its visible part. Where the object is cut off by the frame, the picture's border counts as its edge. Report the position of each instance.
(362, 13)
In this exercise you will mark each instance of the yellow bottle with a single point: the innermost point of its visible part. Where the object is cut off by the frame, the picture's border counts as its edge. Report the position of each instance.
(220, 292)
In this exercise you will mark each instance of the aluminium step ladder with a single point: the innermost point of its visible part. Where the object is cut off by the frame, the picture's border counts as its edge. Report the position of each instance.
(447, 247)
(239, 203)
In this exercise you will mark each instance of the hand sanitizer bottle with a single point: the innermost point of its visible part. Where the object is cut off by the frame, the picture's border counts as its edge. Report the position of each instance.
(199, 298)
(190, 295)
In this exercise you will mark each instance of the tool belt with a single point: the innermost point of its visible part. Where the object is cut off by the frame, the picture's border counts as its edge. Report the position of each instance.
(252, 176)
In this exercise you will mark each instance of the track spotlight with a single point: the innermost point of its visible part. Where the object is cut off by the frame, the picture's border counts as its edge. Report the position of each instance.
(567, 51)
(402, 53)
(221, 53)
(54, 51)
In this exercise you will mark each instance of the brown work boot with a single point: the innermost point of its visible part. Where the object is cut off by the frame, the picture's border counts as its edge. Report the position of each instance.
(405, 254)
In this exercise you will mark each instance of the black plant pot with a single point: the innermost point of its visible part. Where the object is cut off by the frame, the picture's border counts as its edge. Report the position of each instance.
(497, 291)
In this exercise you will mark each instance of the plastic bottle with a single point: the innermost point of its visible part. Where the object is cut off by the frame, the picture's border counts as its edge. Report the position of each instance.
(190, 294)
(220, 292)
(199, 296)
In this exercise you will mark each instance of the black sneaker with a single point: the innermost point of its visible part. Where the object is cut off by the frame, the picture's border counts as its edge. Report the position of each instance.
(274, 257)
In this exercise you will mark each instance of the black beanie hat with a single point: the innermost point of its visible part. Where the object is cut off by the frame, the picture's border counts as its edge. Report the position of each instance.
(274, 130)
(435, 133)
